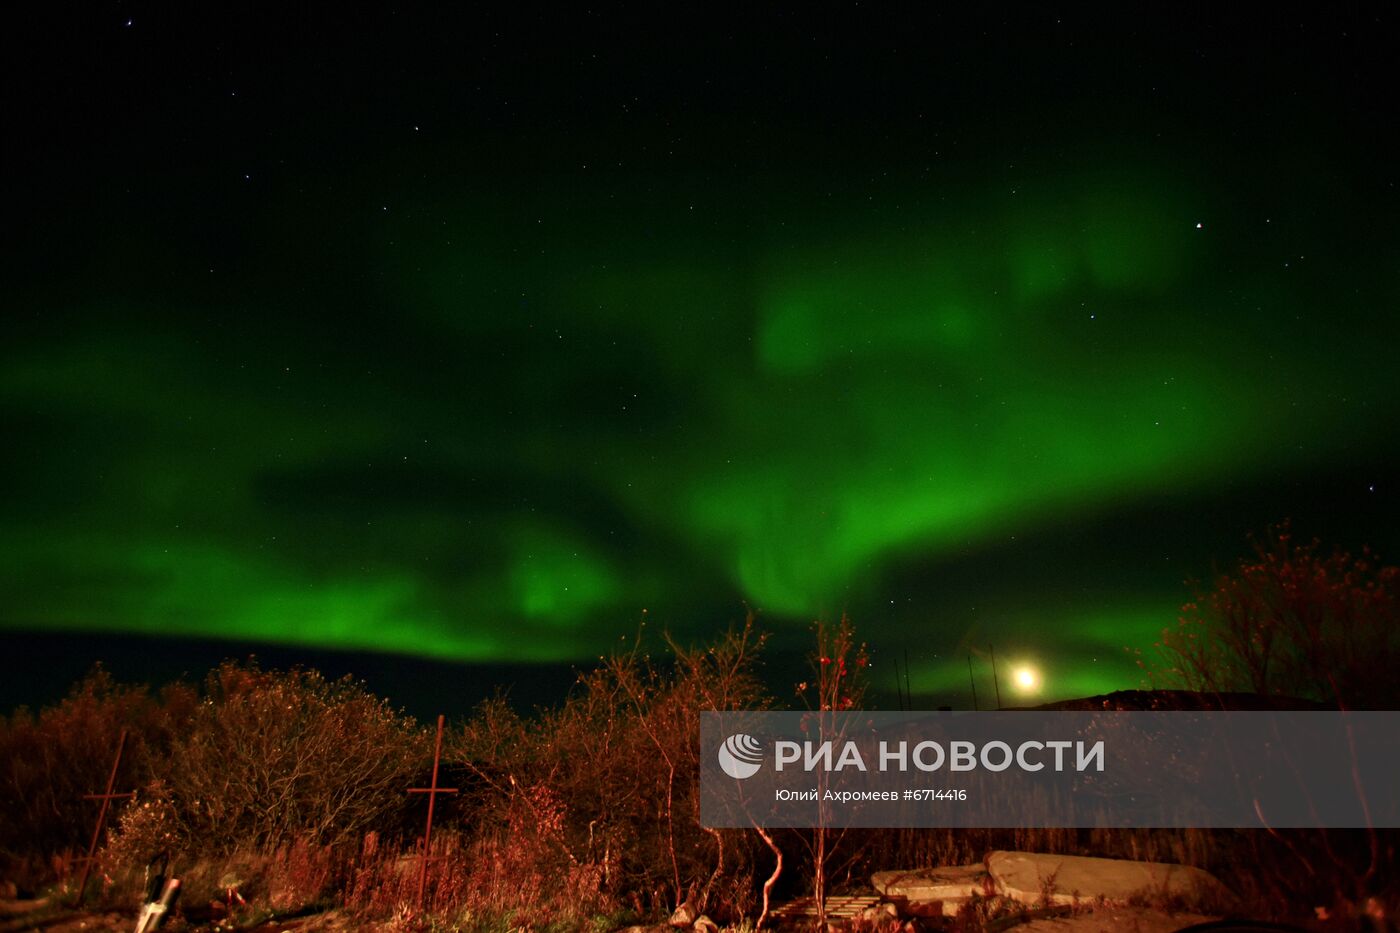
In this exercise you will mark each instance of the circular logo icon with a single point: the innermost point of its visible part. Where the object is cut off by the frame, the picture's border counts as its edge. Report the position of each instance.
(740, 756)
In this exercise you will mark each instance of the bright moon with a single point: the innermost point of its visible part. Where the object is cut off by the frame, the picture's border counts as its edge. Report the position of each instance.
(1026, 678)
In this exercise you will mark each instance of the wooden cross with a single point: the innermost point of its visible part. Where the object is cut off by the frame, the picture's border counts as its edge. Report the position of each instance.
(106, 797)
(432, 792)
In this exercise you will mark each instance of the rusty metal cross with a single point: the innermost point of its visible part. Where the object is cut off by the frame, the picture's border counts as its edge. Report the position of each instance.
(432, 791)
(106, 797)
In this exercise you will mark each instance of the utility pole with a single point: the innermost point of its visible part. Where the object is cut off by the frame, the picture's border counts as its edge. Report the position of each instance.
(971, 681)
(907, 695)
(996, 684)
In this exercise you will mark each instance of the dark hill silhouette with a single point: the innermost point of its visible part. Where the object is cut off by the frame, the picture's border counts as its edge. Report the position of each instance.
(1181, 700)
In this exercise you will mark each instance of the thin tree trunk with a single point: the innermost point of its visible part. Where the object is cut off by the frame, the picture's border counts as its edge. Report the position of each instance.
(773, 878)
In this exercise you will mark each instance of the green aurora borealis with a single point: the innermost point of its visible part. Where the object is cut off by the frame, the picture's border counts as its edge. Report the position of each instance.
(447, 384)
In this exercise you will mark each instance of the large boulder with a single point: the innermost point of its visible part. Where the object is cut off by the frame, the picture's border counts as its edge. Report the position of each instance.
(1036, 878)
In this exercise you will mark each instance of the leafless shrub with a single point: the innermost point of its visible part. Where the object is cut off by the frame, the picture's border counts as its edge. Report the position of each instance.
(50, 760)
(272, 757)
(619, 762)
(1291, 621)
(148, 826)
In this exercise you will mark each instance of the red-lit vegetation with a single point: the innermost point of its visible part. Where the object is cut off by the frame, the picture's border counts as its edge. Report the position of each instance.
(281, 792)
(1292, 621)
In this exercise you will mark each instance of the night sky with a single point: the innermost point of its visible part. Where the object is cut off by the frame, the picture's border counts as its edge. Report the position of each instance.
(476, 335)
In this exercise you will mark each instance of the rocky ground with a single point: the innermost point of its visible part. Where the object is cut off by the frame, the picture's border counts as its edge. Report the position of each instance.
(1025, 891)
(1098, 920)
(1115, 920)
(17, 916)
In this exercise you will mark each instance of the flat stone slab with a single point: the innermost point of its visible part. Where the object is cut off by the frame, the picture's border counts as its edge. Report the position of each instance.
(1029, 876)
(931, 884)
(931, 891)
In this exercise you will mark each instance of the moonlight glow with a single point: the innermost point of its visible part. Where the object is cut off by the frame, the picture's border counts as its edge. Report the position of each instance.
(1026, 679)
